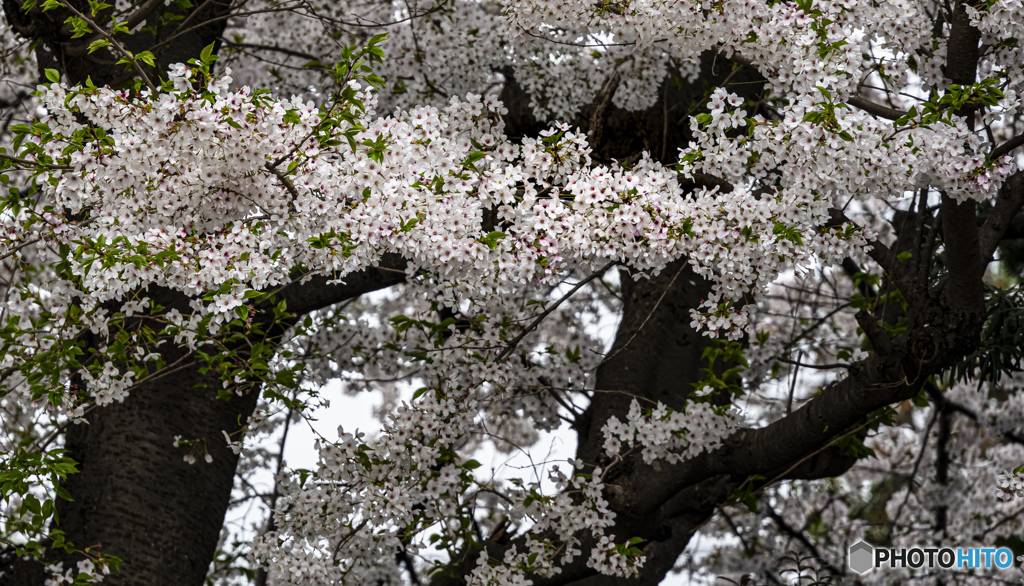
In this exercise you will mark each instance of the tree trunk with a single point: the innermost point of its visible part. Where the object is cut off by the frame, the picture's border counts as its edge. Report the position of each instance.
(135, 495)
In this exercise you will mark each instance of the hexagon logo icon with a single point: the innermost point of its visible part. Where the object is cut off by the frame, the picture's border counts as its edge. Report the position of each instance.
(861, 555)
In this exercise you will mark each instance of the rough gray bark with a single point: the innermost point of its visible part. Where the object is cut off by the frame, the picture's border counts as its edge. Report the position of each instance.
(135, 496)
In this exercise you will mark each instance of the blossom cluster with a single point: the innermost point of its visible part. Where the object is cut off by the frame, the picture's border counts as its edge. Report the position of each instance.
(1010, 485)
(669, 435)
(83, 572)
(413, 477)
(195, 182)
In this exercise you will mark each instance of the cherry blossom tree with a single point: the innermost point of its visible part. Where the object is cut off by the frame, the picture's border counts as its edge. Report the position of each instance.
(802, 214)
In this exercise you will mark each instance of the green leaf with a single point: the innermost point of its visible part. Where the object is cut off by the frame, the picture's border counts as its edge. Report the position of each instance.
(63, 493)
(53, 75)
(292, 117)
(98, 44)
(147, 58)
(920, 399)
(206, 55)
(492, 238)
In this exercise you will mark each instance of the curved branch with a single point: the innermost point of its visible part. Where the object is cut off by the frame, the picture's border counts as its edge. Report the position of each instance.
(1006, 147)
(876, 109)
(319, 292)
(1008, 203)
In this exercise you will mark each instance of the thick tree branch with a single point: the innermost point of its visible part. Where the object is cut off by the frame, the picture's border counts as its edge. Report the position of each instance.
(318, 293)
(1002, 216)
(964, 290)
(1007, 147)
(601, 101)
(700, 179)
(875, 108)
(872, 383)
(879, 341)
(962, 51)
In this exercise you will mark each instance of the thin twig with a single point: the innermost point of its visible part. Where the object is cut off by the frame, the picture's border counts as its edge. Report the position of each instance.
(792, 386)
(828, 366)
(120, 48)
(21, 161)
(283, 50)
(536, 321)
(646, 319)
(812, 328)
